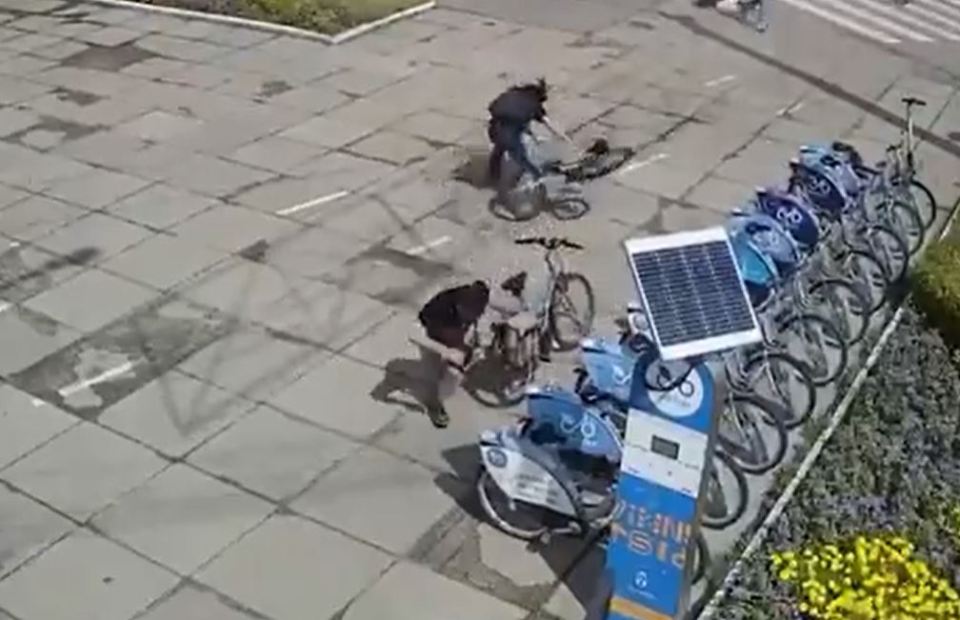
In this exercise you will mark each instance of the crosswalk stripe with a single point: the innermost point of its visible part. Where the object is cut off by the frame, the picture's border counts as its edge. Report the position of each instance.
(843, 22)
(938, 7)
(902, 16)
(933, 16)
(886, 24)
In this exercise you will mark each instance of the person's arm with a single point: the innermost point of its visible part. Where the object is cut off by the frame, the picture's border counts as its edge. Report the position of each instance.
(556, 131)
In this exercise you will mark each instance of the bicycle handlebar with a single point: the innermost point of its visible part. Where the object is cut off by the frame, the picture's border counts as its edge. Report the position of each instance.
(550, 243)
(913, 101)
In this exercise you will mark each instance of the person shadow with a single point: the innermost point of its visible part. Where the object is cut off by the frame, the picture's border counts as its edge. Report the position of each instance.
(405, 383)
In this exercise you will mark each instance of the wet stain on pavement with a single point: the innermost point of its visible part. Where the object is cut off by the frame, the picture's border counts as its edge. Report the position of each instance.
(108, 365)
(25, 271)
(108, 58)
(272, 88)
(954, 135)
(50, 132)
(78, 97)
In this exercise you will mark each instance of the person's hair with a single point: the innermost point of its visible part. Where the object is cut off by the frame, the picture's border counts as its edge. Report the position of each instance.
(480, 292)
(538, 88)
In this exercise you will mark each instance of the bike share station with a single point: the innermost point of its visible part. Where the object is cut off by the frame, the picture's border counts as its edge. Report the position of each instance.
(695, 304)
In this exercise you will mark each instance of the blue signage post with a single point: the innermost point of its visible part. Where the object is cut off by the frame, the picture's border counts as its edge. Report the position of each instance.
(668, 442)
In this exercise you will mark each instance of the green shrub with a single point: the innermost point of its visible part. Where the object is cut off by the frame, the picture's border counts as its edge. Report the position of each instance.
(936, 288)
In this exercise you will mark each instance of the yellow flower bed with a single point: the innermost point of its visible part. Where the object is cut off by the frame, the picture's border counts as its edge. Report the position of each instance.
(867, 579)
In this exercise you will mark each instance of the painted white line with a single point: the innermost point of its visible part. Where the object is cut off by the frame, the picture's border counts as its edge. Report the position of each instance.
(909, 19)
(844, 6)
(103, 376)
(790, 109)
(931, 14)
(946, 13)
(843, 22)
(420, 249)
(313, 203)
(4, 306)
(37, 402)
(640, 164)
(14, 244)
(720, 80)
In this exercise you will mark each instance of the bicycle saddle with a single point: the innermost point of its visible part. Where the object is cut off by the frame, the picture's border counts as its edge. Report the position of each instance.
(914, 101)
(515, 284)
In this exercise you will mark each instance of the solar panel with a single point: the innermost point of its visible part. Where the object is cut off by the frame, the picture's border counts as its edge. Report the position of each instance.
(692, 293)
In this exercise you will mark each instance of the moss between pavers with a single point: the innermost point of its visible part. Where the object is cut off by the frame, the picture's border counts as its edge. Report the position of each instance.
(324, 16)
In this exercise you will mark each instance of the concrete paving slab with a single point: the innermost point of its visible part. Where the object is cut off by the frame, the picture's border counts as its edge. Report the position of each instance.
(102, 234)
(244, 288)
(14, 121)
(28, 529)
(275, 154)
(230, 228)
(663, 177)
(182, 518)
(719, 194)
(175, 413)
(571, 600)
(392, 276)
(82, 470)
(14, 90)
(110, 36)
(397, 594)
(434, 126)
(36, 172)
(163, 261)
(372, 220)
(26, 270)
(323, 131)
(315, 253)
(213, 176)
(101, 580)
(252, 363)
(351, 496)
(97, 189)
(291, 568)
(272, 454)
(394, 147)
(190, 602)
(313, 98)
(115, 297)
(30, 336)
(292, 198)
(314, 397)
(340, 170)
(161, 206)
(26, 425)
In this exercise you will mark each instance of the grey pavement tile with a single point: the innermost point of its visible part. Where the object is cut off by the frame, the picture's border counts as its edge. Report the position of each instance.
(272, 454)
(30, 336)
(182, 518)
(252, 362)
(677, 218)
(620, 204)
(244, 288)
(372, 220)
(189, 602)
(23, 66)
(95, 232)
(358, 81)
(37, 172)
(110, 36)
(16, 90)
(29, 41)
(83, 470)
(256, 86)
(109, 297)
(10, 195)
(14, 120)
(275, 154)
(161, 206)
(173, 47)
(344, 171)
(661, 178)
(103, 83)
(213, 176)
(220, 34)
(287, 196)
(28, 528)
(391, 340)
(232, 228)
(580, 586)
(110, 148)
(163, 261)
(315, 397)
(349, 498)
(156, 67)
(327, 132)
(315, 252)
(174, 413)
(293, 569)
(96, 189)
(719, 194)
(380, 109)
(322, 315)
(199, 76)
(59, 50)
(101, 581)
(394, 147)
(514, 559)
(314, 99)
(25, 425)
(160, 126)
(399, 594)
(392, 276)
(434, 126)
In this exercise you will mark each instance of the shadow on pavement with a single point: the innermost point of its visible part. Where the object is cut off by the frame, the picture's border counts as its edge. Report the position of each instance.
(77, 258)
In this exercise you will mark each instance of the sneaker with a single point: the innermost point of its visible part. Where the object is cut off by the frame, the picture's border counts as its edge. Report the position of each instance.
(439, 416)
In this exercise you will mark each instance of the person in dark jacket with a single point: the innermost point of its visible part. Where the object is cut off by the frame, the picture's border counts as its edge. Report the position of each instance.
(447, 320)
(511, 115)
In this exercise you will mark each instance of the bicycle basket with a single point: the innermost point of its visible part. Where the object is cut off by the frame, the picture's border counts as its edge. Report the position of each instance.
(796, 217)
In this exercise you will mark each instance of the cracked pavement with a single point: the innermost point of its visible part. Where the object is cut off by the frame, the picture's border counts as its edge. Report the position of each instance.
(213, 242)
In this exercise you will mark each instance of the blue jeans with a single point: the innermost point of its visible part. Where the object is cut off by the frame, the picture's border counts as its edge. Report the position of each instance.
(508, 138)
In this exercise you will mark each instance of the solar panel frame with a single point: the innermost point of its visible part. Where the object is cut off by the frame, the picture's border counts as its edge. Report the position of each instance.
(737, 318)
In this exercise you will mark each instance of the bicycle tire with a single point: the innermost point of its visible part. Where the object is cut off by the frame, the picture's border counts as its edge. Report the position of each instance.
(907, 223)
(701, 558)
(792, 418)
(772, 416)
(896, 268)
(829, 374)
(594, 166)
(740, 479)
(927, 211)
(864, 279)
(569, 208)
(502, 523)
(853, 322)
(563, 284)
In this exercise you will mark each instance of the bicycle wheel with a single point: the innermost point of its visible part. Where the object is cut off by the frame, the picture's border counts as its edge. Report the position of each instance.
(782, 379)
(907, 223)
(817, 343)
(752, 431)
(841, 303)
(889, 249)
(518, 519)
(725, 500)
(921, 199)
(596, 165)
(570, 207)
(869, 276)
(701, 557)
(570, 322)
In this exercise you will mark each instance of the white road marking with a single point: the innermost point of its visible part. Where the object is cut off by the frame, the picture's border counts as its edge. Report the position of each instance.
(37, 402)
(641, 164)
(945, 12)
(103, 376)
(790, 109)
(720, 80)
(313, 203)
(931, 13)
(909, 19)
(4, 306)
(14, 244)
(420, 249)
(843, 22)
(844, 6)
